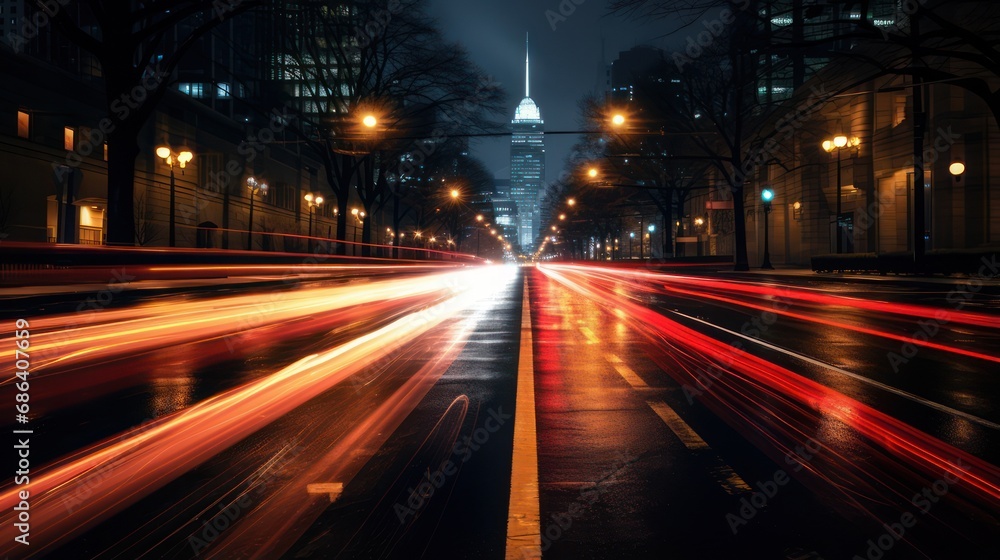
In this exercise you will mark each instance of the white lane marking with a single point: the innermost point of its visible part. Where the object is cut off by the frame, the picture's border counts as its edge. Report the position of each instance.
(899, 392)
(723, 473)
(628, 373)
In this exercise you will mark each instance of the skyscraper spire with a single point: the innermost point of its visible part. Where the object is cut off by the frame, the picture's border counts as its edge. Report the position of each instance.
(527, 75)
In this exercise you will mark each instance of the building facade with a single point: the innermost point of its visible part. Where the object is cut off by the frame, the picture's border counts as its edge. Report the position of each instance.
(55, 188)
(876, 180)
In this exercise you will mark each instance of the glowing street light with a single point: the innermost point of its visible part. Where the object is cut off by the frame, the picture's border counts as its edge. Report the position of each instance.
(180, 159)
(839, 143)
(255, 187)
(369, 121)
(359, 217)
(314, 202)
(571, 202)
(766, 195)
(618, 119)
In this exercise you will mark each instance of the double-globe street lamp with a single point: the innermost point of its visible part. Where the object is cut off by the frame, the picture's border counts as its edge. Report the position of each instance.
(840, 143)
(314, 202)
(256, 186)
(179, 159)
(359, 217)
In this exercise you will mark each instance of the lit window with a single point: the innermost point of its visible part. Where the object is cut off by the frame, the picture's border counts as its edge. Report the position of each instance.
(222, 91)
(194, 90)
(69, 135)
(23, 124)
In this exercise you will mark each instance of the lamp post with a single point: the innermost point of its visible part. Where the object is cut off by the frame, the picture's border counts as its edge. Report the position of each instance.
(180, 159)
(479, 218)
(839, 143)
(650, 229)
(359, 217)
(255, 186)
(631, 236)
(314, 202)
(767, 195)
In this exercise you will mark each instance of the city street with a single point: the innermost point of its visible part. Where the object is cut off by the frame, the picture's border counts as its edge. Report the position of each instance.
(560, 410)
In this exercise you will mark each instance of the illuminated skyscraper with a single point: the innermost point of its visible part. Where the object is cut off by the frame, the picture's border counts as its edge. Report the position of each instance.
(527, 163)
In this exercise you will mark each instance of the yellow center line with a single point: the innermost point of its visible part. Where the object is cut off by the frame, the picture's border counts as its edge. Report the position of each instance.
(524, 528)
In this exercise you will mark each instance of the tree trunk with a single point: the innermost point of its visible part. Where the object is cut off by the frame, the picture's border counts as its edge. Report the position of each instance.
(740, 262)
(123, 149)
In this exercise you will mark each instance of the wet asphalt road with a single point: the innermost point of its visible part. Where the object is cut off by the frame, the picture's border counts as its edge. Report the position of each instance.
(632, 463)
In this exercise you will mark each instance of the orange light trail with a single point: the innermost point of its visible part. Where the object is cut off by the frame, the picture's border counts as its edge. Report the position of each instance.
(63, 340)
(138, 465)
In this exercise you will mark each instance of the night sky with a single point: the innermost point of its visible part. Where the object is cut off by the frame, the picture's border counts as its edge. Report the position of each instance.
(566, 63)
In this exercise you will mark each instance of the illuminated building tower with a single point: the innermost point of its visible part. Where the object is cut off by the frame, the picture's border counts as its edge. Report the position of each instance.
(527, 164)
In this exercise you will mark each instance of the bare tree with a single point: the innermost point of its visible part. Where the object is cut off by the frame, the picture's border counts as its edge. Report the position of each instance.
(146, 230)
(398, 70)
(138, 46)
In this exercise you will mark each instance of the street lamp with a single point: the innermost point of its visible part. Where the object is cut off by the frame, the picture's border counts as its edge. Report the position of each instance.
(255, 187)
(631, 236)
(180, 159)
(618, 119)
(571, 202)
(839, 143)
(359, 217)
(314, 202)
(957, 168)
(766, 195)
(479, 218)
(369, 121)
